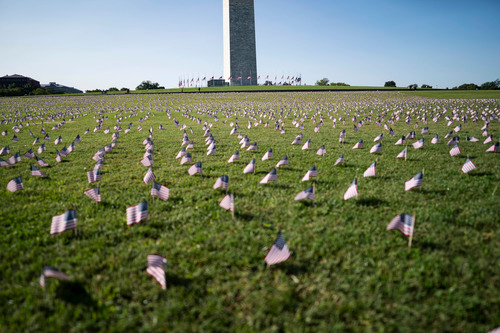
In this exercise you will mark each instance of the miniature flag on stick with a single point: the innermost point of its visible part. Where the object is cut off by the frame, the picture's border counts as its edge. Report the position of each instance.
(371, 171)
(352, 191)
(149, 176)
(250, 167)
(234, 157)
(339, 160)
(376, 148)
(468, 166)
(269, 177)
(307, 144)
(52, 272)
(227, 202)
(321, 151)
(278, 252)
(160, 191)
(15, 184)
(403, 223)
(36, 173)
(402, 154)
(308, 193)
(455, 150)
(94, 194)
(195, 168)
(268, 154)
(313, 172)
(401, 141)
(419, 144)
(495, 147)
(63, 222)
(435, 139)
(186, 158)
(94, 176)
(147, 161)
(283, 161)
(222, 181)
(414, 182)
(359, 144)
(156, 268)
(137, 213)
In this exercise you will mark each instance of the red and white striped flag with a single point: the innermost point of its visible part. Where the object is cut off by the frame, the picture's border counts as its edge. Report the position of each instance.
(352, 191)
(222, 182)
(250, 167)
(94, 176)
(137, 213)
(417, 180)
(308, 193)
(186, 158)
(371, 171)
(63, 222)
(52, 272)
(402, 154)
(339, 160)
(268, 154)
(15, 184)
(455, 150)
(359, 144)
(283, 161)
(312, 172)
(278, 252)
(468, 166)
(36, 173)
(271, 176)
(181, 153)
(94, 194)
(403, 223)
(435, 139)
(160, 191)
(307, 145)
(227, 202)
(379, 137)
(376, 148)
(156, 268)
(495, 147)
(401, 141)
(147, 160)
(321, 151)
(234, 157)
(149, 176)
(195, 168)
(253, 146)
(488, 139)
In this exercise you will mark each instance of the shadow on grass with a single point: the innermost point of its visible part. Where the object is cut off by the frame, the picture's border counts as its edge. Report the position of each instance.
(481, 174)
(243, 216)
(439, 192)
(293, 268)
(73, 292)
(175, 280)
(372, 202)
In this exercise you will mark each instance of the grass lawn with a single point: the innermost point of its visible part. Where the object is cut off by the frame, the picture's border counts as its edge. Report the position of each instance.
(346, 271)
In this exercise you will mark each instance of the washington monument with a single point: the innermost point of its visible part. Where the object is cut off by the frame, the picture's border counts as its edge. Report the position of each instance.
(240, 60)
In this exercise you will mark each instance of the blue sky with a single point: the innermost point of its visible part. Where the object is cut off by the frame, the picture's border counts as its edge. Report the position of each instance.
(101, 44)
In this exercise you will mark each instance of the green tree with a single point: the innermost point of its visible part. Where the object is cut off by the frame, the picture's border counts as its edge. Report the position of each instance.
(147, 85)
(124, 89)
(426, 86)
(493, 85)
(390, 84)
(323, 82)
(40, 91)
(113, 89)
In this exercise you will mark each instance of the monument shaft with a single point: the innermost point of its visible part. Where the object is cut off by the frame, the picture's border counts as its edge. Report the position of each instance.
(240, 60)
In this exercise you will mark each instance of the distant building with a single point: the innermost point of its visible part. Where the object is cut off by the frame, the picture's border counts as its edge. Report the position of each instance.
(55, 88)
(217, 83)
(18, 81)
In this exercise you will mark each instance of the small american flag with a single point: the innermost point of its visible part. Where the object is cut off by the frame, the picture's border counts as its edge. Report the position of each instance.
(35, 172)
(495, 147)
(468, 166)
(63, 222)
(403, 223)
(5, 150)
(472, 139)
(378, 137)
(371, 171)
(435, 139)
(376, 148)
(15, 184)
(419, 144)
(4, 163)
(222, 182)
(94, 176)
(339, 160)
(94, 194)
(283, 161)
(296, 141)
(402, 154)
(313, 172)
(271, 176)
(186, 158)
(488, 139)
(253, 146)
(415, 181)
(29, 154)
(147, 161)
(359, 144)
(321, 151)
(156, 268)
(455, 150)
(278, 252)
(401, 141)
(308, 193)
(181, 153)
(268, 154)
(234, 157)
(52, 272)
(307, 144)
(137, 213)
(149, 176)
(227, 202)
(195, 168)
(250, 167)
(352, 191)
(58, 140)
(78, 139)
(160, 191)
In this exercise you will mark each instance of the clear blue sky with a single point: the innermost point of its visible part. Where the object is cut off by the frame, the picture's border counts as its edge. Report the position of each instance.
(101, 44)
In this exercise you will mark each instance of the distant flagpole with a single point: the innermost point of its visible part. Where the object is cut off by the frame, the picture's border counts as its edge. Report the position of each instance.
(412, 230)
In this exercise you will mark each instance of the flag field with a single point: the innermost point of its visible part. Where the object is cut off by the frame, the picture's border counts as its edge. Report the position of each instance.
(345, 272)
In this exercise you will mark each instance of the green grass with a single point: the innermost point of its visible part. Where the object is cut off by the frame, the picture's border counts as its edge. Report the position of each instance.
(346, 272)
